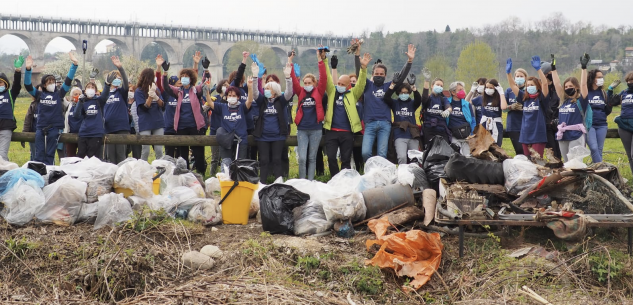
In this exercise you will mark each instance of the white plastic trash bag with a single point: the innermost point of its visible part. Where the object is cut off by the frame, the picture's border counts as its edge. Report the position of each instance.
(575, 157)
(351, 206)
(158, 202)
(405, 176)
(212, 188)
(88, 212)
(112, 209)
(520, 174)
(21, 202)
(97, 174)
(310, 219)
(379, 172)
(7, 165)
(64, 201)
(254, 209)
(136, 175)
(207, 212)
(346, 181)
(187, 180)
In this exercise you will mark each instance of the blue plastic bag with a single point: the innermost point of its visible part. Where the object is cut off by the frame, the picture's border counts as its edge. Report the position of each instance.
(10, 178)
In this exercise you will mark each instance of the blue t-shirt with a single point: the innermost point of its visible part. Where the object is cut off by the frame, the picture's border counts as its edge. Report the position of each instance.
(233, 119)
(186, 119)
(478, 111)
(50, 110)
(456, 118)
(74, 123)
(403, 111)
(148, 118)
(437, 104)
(6, 108)
(515, 117)
(340, 120)
(533, 127)
(627, 104)
(360, 109)
(490, 111)
(215, 119)
(271, 123)
(115, 111)
(309, 119)
(375, 107)
(598, 105)
(92, 124)
(170, 111)
(569, 114)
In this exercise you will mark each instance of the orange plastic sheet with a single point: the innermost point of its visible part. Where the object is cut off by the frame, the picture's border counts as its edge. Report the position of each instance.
(415, 253)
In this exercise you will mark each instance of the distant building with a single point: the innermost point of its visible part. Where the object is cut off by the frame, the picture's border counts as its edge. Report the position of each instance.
(110, 48)
(628, 57)
(614, 65)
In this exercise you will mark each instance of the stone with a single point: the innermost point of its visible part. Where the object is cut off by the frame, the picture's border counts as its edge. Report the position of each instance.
(211, 251)
(197, 261)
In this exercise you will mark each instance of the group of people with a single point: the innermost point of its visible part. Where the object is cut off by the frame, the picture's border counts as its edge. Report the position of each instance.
(541, 111)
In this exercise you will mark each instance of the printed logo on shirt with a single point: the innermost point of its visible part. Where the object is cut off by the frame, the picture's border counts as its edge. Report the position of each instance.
(35, 115)
(233, 117)
(308, 102)
(531, 107)
(270, 110)
(48, 100)
(596, 100)
(92, 110)
(4, 100)
(339, 102)
(457, 111)
(435, 109)
(379, 93)
(112, 99)
(567, 109)
(185, 99)
(490, 108)
(404, 112)
(174, 103)
(512, 101)
(628, 99)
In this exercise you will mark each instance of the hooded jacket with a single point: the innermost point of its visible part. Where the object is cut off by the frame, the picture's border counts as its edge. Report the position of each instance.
(195, 96)
(349, 99)
(7, 118)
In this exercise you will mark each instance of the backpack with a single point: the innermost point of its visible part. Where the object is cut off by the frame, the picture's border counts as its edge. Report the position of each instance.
(587, 117)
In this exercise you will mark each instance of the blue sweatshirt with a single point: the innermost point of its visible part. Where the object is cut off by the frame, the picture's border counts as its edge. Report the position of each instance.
(309, 119)
(569, 114)
(170, 111)
(456, 118)
(186, 113)
(233, 119)
(74, 122)
(598, 105)
(115, 111)
(478, 111)
(148, 118)
(339, 116)
(533, 127)
(90, 111)
(6, 106)
(271, 122)
(626, 98)
(515, 117)
(436, 105)
(375, 107)
(51, 104)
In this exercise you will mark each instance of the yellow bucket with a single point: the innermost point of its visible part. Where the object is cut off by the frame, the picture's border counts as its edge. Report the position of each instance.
(128, 192)
(237, 205)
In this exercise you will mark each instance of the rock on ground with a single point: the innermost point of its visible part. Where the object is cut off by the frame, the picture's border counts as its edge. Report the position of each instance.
(211, 251)
(197, 260)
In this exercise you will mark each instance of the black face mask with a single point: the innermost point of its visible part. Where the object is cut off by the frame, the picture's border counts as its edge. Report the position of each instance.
(353, 85)
(570, 91)
(630, 85)
(549, 76)
(379, 80)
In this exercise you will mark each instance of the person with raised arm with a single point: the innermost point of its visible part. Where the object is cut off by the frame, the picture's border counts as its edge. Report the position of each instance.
(435, 109)
(89, 110)
(149, 109)
(493, 103)
(7, 106)
(625, 119)
(115, 112)
(406, 133)
(600, 110)
(515, 109)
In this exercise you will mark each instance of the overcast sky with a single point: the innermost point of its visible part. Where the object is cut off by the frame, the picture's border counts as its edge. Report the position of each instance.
(341, 17)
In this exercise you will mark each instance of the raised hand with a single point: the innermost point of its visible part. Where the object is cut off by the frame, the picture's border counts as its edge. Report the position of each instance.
(427, 74)
(159, 60)
(206, 63)
(536, 62)
(509, 66)
(321, 51)
(111, 77)
(255, 69)
(474, 86)
(94, 73)
(245, 55)
(254, 58)
(116, 61)
(500, 90)
(334, 62)
(196, 58)
(288, 70)
(411, 52)
(584, 60)
(291, 55)
(18, 62)
(71, 54)
(249, 82)
(29, 62)
(614, 84)
(553, 63)
(364, 61)
(411, 79)
(297, 70)
(396, 77)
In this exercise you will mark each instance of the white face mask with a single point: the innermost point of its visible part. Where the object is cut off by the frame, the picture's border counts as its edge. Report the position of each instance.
(50, 88)
(232, 100)
(599, 82)
(90, 92)
(224, 89)
(490, 91)
(480, 89)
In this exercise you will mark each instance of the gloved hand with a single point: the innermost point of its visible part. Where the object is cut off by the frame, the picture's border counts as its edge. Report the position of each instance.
(411, 79)
(516, 107)
(614, 84)
(378, 61)
(165, 66)
(254, 58)
(18, 62)
(474, 86)
(509, 66)
(206, 63)
(213, 88)
(427, 74)
(297, 70)
(23, 144)
(334, 62)
(152, 92)
(77, 83)
(111, 77)
(553, 63)
(536, 62)
(396, 77)
(205, 90)
(446, 113)
(500, 90)
(206, 108)
(255, 69)
(94, 73)
(584, 60)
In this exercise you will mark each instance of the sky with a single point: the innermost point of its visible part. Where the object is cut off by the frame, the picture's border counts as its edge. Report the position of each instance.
(340, 17)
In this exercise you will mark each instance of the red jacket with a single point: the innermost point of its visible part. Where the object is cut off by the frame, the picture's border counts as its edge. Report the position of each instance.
(317, 94)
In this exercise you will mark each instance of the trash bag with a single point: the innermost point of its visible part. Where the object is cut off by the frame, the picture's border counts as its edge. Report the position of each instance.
(276, 204)
(6, 165)
(379, 172)
(212, 188)
(137, 203)
(419, 176)
(310, 219)
(346, 181)
(69, 160)
(317, 190)
(136, 175)
(22, 200)
(416, 156)
(575, 157)
(166, 165)
(187, 180)
(112, 208)
(55, 175)
(519, 174)
(181, 198)
(207, 213)
(181, 164)
(88, 213)
(10, 178)
(38, 167)
(244, 170)
(350, 206)
(405, 176)
(97, 174)
(476, 171)
(64, 201)
(168, 158)
(158, 202)
(435, 158)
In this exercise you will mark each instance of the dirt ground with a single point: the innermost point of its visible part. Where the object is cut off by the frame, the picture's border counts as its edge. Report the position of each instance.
(139, 263)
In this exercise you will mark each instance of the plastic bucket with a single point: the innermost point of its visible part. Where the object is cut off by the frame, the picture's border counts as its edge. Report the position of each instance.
(125, 191)
(128, 192)
(236, 206)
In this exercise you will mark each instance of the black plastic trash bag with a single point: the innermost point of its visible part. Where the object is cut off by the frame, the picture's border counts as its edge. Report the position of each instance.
(54, 175)
(244, 170)
(420, 180)
(435, 159)
(38, 167)
(471, 170)
(276, 203)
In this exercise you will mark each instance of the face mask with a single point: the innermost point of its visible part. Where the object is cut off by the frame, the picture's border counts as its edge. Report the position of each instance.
(532, 90)
(116, 82)
(232, 100)
(353, 85)
(185, 80)
(267, 93)
(341, 89)
(403, 96)
(437, 89)
(309, 88)
(630, 85)
(379, 80)
(461, 94)
(490, 91)
(90, 92)
(2, 88)
(599, 82)
(76, 98)
(224, 89)
(130, 94)
(520, 81)
(50, 88)
(480, 89)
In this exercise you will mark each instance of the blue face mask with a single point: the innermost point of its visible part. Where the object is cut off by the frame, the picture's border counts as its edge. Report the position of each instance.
(403, 96)
(116, 82)
(185, 80)
(2, 88)
(520, 81)
(341, 89)
(532, 89)
(438, 89)
(309, 88)
(267, 93)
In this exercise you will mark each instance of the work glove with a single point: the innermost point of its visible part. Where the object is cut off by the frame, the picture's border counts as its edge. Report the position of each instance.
(23, 144)
(553, 63)
(396, 77)
(500, 90)
(165, 66)
(297, 70)
(427, 74)
(536, 62)
(94, 73)
(446, 113)
(516, 107)
(18, 62)
(206, 63)
(474, 87)
(584, 60)
(614, 84)
(411, 79)
(334, 62)
(509, 66)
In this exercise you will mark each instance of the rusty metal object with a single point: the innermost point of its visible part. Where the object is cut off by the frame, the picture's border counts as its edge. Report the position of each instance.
(382, 199)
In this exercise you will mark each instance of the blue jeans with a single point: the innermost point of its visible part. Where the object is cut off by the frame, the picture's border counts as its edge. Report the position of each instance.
(305, 139)
(46, 154)
(595, 140)
(373, 130)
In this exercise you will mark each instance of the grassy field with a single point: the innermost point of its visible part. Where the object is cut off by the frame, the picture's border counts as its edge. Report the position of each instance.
(613, 150)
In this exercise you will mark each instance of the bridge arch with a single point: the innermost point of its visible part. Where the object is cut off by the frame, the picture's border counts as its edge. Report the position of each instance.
(283, 55)
(166, 47)
(13, 37)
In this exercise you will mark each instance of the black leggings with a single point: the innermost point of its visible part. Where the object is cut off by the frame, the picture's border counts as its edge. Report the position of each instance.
(198, 151)
(270, 161)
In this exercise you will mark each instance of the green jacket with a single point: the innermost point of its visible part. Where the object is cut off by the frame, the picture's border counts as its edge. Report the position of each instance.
(350, 98)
